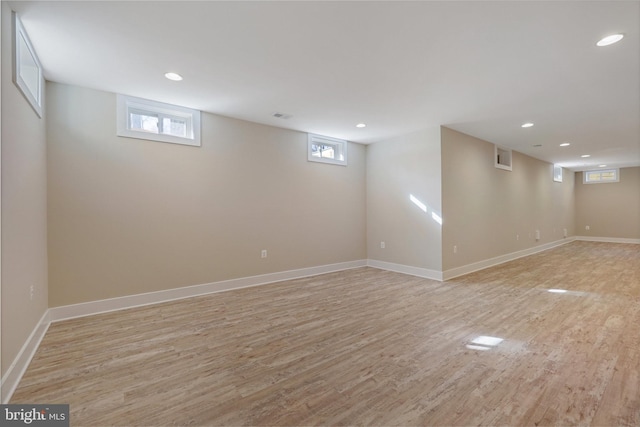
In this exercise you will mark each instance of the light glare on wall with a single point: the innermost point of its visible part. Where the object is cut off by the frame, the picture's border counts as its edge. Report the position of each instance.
(418, 203)
(436, 218)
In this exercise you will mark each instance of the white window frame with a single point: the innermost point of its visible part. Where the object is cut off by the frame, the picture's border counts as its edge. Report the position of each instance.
(19, 68)
(557, 173)
(126, 104)
(340, 148)
(587, 180)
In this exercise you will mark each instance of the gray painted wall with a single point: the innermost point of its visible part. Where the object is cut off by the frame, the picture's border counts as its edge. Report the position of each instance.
(490, 212)
(396, 169)
(128, 216)
(611, 209)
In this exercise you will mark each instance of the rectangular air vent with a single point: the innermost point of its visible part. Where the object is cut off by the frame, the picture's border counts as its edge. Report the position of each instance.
(502, 157)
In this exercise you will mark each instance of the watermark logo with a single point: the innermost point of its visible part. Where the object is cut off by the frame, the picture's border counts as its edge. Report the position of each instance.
(34, 415)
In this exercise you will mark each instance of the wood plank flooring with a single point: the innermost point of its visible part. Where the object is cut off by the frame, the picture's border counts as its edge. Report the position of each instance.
(366, 347)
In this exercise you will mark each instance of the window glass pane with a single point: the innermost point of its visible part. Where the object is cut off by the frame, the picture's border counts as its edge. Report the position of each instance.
(323, 151)
(608, 176)
(144, 122)
(328, 152)
(174, 126)
(29, 71)
(593, 176)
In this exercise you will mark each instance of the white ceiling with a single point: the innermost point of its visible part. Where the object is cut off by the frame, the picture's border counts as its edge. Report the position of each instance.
(482, 68)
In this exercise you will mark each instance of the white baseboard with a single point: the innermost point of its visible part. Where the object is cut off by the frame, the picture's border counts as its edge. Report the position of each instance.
(466, 269)
(406, 269)
(130, 301)
(17, 369)
(608, 239)
(481, 265)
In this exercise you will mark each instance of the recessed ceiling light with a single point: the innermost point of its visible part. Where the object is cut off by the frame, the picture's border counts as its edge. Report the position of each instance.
(565, 144)
(361, 125)
(586, 155)
(602, 166)
(527, 125)
(613, 38)
(173, 76)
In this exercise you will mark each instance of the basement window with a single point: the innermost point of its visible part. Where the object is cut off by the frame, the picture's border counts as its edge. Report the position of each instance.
(601, 176)
(27, 71)
(557, 173)
(145, 119)
(326, 150)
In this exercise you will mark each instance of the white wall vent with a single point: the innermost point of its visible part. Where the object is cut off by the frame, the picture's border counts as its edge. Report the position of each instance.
(502, 158)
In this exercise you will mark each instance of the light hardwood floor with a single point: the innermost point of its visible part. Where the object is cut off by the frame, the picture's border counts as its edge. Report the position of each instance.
(366, 347)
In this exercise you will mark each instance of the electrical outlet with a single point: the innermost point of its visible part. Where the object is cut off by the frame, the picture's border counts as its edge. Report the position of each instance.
(32, 291)
(455, 249)
(382, 245)
(517, 237)
(263, 254)
(587, 228)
